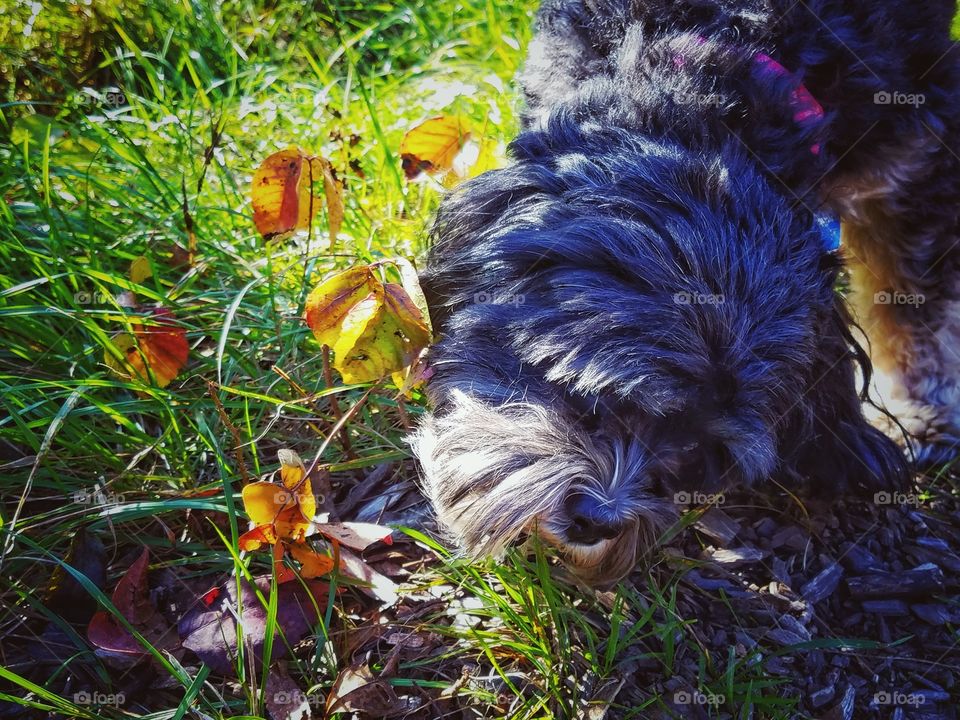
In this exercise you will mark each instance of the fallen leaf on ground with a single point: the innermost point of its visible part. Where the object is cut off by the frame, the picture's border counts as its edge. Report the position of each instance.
(283, 697)
(356, 535)
(67, 597)
(131, 598)
(374, 582)
(357, 690)
(154, 353)
(211, 632)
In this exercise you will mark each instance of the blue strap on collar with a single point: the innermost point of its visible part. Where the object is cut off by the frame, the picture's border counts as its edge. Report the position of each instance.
(829, 226)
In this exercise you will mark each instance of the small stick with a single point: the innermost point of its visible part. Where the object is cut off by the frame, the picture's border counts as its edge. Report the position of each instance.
(237, 442)
(334, 405)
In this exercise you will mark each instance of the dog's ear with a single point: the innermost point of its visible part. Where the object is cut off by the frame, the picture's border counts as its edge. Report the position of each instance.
(838, 449)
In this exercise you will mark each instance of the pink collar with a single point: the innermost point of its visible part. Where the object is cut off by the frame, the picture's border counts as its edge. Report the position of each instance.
(806, 109)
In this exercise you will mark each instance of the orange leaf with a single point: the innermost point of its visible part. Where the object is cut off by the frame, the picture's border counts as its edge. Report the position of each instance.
(284, 574)
(433, 145)
(282, 196)
(254, 539)
(312, 563)
(291, 525)
(154, 353)
(264, 501)
(283, 510)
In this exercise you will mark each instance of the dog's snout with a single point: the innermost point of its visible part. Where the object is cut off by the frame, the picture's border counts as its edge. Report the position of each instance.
(591, 519)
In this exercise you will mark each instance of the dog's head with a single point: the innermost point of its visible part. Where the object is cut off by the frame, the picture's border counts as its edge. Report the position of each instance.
(620, 322)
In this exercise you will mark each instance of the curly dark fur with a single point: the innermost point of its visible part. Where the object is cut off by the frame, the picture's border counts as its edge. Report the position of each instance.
(641, 303)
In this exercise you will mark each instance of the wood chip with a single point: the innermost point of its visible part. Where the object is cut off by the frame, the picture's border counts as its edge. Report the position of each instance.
(919, 581)
(823, 585)
(719, 526)
(735, 557)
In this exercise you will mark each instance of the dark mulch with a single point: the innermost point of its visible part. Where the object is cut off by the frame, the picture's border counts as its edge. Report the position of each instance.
(851, 606)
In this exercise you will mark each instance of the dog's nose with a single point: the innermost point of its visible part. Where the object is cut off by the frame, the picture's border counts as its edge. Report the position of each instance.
(591, 520)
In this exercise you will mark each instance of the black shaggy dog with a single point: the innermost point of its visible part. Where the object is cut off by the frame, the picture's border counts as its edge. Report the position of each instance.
(645, 301)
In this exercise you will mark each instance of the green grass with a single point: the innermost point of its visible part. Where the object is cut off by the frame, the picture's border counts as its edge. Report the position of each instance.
(108, 154)
(126, 126)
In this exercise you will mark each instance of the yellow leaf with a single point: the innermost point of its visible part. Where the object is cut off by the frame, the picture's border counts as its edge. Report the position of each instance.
(372, 328)
(411, 283)
(413, 377)
(334, 195)
(329, 303)
(433, 145)
(293, 475)
(140, 269)
(407, 315)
